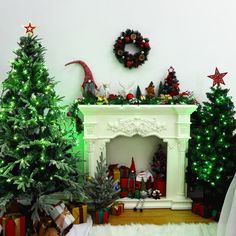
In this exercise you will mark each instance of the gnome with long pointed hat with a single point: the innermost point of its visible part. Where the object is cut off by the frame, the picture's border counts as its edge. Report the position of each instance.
(131, 180)
(89, 86)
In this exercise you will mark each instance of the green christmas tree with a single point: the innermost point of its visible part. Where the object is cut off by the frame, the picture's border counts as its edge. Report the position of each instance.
(213, 144)
(38, 165)
(101, 189)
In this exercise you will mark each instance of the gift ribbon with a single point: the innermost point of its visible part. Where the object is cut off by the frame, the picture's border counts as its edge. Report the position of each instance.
(61, 218)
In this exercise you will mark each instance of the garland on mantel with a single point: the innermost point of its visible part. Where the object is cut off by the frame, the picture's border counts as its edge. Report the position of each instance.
(185, 98)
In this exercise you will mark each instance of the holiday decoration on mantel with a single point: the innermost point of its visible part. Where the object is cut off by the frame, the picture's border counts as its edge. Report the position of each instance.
(212, 148)
(89, 86)
(128, 59)
(171, 84)
(38, 163)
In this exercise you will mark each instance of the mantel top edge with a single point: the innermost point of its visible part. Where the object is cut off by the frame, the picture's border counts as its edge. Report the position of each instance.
(178, 109)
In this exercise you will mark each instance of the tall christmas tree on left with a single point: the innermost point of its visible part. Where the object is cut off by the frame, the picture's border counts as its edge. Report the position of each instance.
(37, 165)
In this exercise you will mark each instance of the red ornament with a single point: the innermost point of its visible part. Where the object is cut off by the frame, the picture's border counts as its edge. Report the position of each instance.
(129, 96)
(68, 113)
(129, 63)
(127, 39)
(217, 77)
(29, 28)
(146, 44)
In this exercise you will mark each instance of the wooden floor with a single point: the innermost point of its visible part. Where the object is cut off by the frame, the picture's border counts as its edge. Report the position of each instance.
(157, 216)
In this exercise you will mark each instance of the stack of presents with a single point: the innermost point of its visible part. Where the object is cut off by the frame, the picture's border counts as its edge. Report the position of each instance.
(132, 183)
(60, 220)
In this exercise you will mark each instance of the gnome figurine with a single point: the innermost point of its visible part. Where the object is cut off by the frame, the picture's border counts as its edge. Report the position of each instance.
(89, 86)
(131, 180)
(143, 195)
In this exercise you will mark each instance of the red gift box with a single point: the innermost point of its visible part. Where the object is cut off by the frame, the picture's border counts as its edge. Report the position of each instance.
(160, 184)
(200, 209)
(102, 216)
(124, 172)
(117, 208)
(13, 225)
(123, 183)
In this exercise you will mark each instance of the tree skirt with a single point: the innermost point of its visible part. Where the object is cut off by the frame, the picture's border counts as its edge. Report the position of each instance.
(155, 230)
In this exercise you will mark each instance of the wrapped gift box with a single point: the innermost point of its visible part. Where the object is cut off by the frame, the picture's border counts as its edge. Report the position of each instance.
(117, 208)
(200, 209)
(61, 216)
(39, 228)
(13, 225)
(102, 216)
(124, 172)
(123, 183)
(79, 212)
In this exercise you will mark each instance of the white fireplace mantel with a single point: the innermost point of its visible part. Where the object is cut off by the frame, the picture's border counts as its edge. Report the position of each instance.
(171, 123)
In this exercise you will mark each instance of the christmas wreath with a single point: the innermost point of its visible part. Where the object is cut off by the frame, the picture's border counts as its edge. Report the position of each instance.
(131, 60)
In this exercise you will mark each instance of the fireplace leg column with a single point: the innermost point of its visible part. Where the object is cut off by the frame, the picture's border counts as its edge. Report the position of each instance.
(182, 147)
(96, 147)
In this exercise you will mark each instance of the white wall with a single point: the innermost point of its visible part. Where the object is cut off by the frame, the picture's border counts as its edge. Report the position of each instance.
(192, 36)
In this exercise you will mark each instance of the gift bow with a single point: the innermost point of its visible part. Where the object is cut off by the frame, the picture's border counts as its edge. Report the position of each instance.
(61, 217)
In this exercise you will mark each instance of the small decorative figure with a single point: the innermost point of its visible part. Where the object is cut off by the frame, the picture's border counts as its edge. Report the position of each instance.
(143, 195)
(89, 86)
(106, 88)
(126, 90)
(150, 90)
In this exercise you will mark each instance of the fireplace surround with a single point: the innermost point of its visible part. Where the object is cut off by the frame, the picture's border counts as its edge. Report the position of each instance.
(171, 123)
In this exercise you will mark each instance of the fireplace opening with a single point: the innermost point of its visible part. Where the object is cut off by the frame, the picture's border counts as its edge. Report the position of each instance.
(147, 156)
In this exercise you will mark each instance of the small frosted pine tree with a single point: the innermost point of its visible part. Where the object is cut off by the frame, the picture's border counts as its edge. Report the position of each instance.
(101, 189)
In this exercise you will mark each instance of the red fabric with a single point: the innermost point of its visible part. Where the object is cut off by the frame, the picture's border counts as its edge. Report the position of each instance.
(105, 217)
(123, 182)
(161, 185)
(13, 225)
(96, 217)
(199, 209)
(138, 185)
(132, 167)
(131, 183)
(124, 193)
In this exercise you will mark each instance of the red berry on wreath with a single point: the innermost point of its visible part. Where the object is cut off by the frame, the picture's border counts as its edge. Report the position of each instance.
(68, 113)
(119, 41)
(127, 39)
(129, 96)
(146, 44)
(129, 63)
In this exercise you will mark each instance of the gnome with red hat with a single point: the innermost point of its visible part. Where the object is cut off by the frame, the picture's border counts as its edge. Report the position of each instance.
(131, 180)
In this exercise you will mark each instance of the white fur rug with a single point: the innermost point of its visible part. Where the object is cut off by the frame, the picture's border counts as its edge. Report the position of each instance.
(155, 230)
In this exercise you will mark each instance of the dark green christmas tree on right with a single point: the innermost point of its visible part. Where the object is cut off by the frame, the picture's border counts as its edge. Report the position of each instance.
(212, 149)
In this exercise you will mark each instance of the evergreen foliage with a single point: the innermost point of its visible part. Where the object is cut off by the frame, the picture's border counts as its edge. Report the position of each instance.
(158, 165)
(212, 160)
(101, 189)
(38, 166)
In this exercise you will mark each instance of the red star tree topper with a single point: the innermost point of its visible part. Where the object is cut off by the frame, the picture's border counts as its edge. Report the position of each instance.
(217, 77)
(29, 28)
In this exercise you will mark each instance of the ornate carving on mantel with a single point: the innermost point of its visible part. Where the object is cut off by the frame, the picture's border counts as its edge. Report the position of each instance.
(141, 126)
